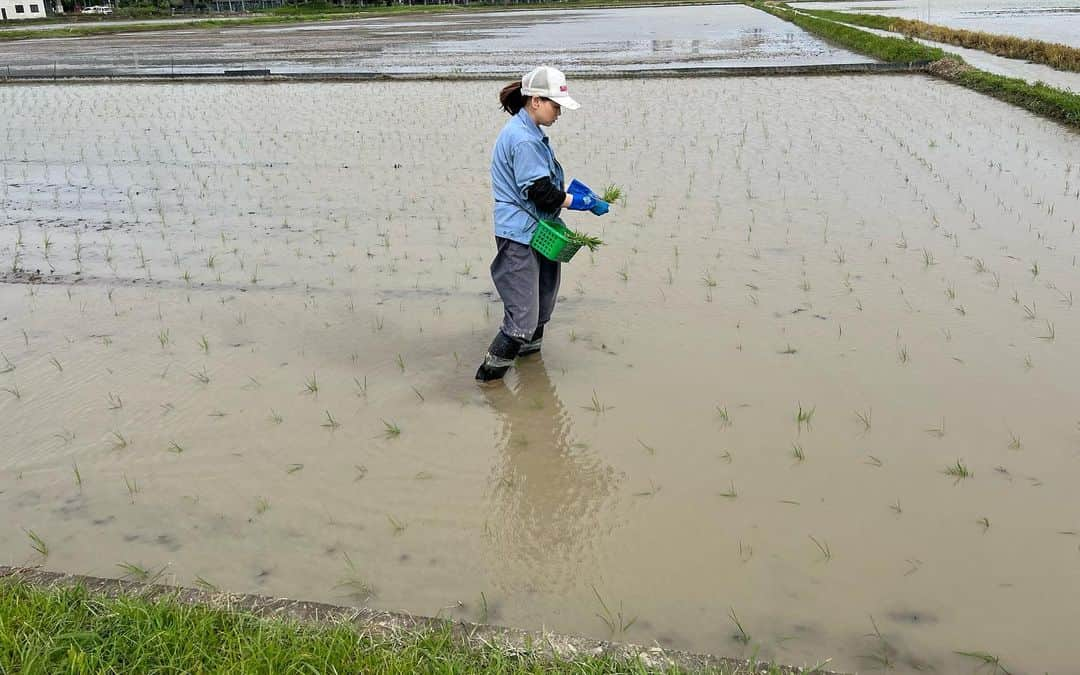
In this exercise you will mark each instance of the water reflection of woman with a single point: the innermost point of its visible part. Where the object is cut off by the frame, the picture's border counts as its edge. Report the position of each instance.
(546, 491)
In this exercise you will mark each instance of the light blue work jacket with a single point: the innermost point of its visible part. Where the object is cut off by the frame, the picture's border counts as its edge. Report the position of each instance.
(522, 155)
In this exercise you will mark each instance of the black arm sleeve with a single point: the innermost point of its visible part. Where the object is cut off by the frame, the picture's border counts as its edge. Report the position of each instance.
(544, 194)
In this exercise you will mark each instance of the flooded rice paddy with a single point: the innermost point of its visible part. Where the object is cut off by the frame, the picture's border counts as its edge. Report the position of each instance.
(815, 397)
(578, 40)
(1048, 20)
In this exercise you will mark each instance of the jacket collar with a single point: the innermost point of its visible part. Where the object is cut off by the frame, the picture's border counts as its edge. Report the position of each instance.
(530, 125)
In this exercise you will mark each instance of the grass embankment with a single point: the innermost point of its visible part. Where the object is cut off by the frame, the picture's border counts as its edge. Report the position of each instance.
(893, 50)
(1038, 98)
(67, 630)
(1062, 57)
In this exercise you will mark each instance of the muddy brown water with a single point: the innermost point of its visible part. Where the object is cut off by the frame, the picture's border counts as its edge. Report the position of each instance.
(849, 245)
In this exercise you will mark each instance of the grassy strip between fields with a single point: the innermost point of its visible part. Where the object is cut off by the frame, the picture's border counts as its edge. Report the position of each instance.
(321, 12)
(1062, 57)
(1057, 104)
(53, 630)
(893, 50)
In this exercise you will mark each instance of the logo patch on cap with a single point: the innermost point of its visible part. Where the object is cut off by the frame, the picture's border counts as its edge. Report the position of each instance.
(562, 88)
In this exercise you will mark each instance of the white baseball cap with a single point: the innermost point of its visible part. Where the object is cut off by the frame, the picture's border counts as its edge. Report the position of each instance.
(550, 83)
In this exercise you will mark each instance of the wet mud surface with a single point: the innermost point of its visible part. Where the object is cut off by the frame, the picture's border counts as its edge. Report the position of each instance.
(814, 397)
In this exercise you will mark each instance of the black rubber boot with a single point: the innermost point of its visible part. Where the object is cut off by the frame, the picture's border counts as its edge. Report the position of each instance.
(533, 345)
(500, 356)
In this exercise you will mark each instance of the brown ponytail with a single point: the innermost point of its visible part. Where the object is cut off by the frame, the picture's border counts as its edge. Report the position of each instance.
(511, 98)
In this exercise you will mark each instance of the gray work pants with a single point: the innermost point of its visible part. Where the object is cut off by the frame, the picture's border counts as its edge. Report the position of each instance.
(528, 284)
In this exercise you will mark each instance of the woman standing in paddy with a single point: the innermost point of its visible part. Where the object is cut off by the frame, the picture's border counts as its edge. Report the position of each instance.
(527, 185)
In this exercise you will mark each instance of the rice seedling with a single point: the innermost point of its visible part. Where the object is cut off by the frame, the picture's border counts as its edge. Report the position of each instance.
(56, 364)
(13, 390)
(362, 385)
(797, 452)
(788, 350)
(356, 586)
(330, 422)
(163, 337)
(119, 441)
(390, 429)
(1014, 441)
(1034, 269)
(884, 653)
(823, 547)
(874, 461)
(928, 258)
(896, 507)
(938, 431)
(275, 417)
(115, 402)
(1030, 311)
(262, 505)
(804, 417)
(612, 193)
(617, 623)
(8, 365)
(958, 470)
(984, 522)
(400, 360)
(204, 345)
(1050, 333)
(140, 573)
(397, 525)
(202, 584)
(583, 239)
(865, 417)
(730, 493)
(723, 415)
(311, 384)
(986, 659)
(648, 448)
(132, 486)
(902, 354)
(202, 377)
(740, 634)
(596, 406)
(78, 475)
(175, 447)
(418, 394)
(37, 543)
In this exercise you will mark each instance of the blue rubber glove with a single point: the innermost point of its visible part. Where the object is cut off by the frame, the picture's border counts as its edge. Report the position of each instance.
(581, 202)
(600, 207)
(578, 188)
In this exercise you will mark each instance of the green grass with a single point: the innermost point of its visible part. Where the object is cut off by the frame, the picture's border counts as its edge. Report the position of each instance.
(44, 631)
(892, 50)
(1038, 98)
(1051, 54)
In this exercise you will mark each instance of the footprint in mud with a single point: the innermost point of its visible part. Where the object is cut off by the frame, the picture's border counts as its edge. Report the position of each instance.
(913, 618)
(169, 542)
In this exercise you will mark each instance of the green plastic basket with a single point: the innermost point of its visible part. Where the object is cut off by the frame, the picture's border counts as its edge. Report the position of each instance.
(552, 239)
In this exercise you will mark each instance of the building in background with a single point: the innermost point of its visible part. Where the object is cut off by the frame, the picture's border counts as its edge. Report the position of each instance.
(14, 10)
